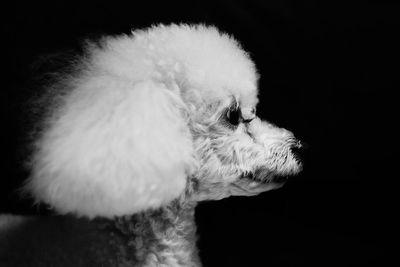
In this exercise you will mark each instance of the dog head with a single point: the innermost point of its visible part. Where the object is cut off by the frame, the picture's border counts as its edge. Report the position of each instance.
(149, 117)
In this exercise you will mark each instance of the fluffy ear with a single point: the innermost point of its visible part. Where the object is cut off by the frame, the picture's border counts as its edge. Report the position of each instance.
(112, 148)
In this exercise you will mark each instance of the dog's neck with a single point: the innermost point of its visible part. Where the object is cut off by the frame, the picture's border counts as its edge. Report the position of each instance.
(161, 237)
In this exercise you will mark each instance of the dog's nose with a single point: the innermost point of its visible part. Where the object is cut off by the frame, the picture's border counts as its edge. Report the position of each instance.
(298, 148)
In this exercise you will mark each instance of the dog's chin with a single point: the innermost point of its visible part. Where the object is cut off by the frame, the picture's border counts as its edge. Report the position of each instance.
(250, 184)
(266, 176)
(250, 187)
(262, 180)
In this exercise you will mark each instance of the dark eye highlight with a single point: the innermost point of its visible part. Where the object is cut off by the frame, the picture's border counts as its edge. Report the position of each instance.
(233, 116)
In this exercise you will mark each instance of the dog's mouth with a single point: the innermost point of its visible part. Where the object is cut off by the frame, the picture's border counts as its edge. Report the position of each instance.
(254, 183)
(290, 164)
(271, 175)
(263, 176)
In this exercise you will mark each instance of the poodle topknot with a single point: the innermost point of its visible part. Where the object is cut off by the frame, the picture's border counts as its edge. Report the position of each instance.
(159, 119)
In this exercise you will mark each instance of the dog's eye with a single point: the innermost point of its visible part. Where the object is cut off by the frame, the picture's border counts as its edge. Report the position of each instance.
(233, 116)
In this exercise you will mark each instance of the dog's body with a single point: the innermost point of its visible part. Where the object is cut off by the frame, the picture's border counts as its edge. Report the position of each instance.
(142, 129)
(161, 237)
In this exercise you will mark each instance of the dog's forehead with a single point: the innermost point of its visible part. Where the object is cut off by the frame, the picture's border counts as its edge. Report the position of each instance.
(207, 61)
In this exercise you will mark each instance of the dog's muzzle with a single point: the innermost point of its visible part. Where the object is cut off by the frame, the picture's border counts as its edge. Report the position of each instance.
(297, 149)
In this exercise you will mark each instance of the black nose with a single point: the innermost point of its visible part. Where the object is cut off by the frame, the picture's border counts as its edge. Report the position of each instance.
(298, 149)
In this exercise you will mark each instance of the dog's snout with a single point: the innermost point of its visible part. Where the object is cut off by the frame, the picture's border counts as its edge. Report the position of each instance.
(298, 148)
(297, 151)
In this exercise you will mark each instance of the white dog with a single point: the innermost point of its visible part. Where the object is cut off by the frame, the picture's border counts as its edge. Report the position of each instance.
(143, 128)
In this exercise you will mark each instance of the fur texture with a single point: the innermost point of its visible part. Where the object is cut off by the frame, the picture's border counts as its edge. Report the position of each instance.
(151, 123)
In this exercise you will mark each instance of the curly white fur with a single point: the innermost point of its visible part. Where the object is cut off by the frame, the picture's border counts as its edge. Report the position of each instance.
(162, 115)
(119, 141)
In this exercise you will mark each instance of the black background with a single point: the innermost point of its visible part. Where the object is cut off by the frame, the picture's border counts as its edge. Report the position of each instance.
(328, 73)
